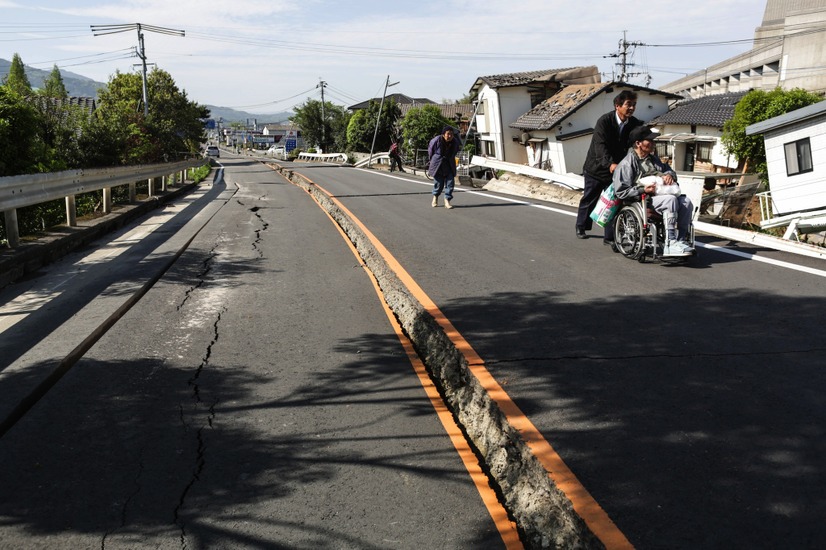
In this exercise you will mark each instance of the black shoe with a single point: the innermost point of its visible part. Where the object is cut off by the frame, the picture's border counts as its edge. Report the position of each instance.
(612, 244)
(580, 233)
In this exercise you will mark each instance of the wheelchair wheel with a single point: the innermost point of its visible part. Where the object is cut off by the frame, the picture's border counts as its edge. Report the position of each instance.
(629, 233)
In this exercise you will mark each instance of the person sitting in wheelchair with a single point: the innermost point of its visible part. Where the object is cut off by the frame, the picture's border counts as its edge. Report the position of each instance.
(642, 172)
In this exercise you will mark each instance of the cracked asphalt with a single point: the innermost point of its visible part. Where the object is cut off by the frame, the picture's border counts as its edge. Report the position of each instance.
(255, 397)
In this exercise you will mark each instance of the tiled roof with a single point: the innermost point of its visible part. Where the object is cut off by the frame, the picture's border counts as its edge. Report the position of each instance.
(553, 110)
(568, 100)
(520, 79)
(280, 127)
(449, 111)
(710, 110)
(400, 99)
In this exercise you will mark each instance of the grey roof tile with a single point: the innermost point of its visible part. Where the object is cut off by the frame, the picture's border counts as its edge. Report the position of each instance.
(711, 110)
(567, 101)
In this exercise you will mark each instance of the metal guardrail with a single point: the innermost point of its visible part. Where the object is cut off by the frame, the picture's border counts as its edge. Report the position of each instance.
(571, 181)
(323, 157)
(31, 189)
(377, 158)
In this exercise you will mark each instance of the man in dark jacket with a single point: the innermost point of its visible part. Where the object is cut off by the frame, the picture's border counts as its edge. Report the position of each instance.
(609, 145)
(442, 151)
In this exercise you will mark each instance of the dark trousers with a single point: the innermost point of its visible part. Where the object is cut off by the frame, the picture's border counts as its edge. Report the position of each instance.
(396, 162)
(590, 197)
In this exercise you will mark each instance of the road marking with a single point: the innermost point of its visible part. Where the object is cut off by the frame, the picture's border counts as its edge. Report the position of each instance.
(583, 503)
(721, 249)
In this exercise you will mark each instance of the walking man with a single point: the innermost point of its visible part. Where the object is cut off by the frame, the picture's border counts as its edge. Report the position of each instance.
(442, 151)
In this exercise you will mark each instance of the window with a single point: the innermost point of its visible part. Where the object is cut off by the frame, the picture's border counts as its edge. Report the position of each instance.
(664, 149)
(798, 157)
(704, 151)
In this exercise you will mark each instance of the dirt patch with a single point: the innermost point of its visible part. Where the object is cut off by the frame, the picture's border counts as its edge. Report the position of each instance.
(533, 188)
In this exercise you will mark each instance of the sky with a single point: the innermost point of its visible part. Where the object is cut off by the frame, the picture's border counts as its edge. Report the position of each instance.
(268, 56)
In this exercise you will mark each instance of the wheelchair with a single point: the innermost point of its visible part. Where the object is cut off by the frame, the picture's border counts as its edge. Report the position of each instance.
(639, 233)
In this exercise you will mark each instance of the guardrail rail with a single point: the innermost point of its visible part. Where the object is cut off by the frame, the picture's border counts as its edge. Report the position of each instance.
(31, 189)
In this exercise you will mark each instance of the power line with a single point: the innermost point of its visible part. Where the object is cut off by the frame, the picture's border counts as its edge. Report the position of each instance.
(102, 30)
(132, 50)
(275, 102)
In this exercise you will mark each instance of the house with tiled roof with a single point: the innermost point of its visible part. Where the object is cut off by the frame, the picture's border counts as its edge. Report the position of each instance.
(690, 133)
(458, 113)
(556, 133)
(400, 100)
(503, 98)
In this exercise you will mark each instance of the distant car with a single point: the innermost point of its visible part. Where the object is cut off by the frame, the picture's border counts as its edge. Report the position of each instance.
(212, 151)
(276, 151)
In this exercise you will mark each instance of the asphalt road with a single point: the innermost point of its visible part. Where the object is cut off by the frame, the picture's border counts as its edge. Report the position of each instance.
(256, 396)
(686, 399)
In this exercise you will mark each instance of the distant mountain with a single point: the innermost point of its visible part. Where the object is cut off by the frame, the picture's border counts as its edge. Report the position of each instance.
(228, 115)
(77, 85)
(80, 86)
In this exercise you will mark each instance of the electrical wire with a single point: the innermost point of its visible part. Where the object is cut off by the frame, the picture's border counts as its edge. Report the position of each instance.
(275, 102)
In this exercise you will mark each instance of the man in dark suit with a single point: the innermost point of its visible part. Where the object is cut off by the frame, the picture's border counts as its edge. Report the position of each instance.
(609, 145)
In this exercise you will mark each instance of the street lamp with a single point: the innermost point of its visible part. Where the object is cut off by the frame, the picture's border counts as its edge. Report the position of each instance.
(381, 105)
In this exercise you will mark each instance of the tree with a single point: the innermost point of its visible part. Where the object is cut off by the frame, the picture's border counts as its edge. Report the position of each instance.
(421, 124)
(120, 134)
(339, 120)
(175, 123)
(16, 80)
(59, 124)
(53, 86)
(362, 126)
(20, 144)
(327, 131)
(358, 132)
(757, 106)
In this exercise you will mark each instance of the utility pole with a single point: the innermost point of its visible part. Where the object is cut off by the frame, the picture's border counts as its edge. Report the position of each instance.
(623, 56)
(322, 84)
(99, 30)
(381, 106)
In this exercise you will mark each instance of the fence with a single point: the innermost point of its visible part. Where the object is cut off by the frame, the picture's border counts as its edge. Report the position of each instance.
(32, 189)
(323, 157)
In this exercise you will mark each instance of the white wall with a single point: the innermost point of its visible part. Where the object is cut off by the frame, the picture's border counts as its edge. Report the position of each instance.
(513, 103)
(801, 191)
(568, 156)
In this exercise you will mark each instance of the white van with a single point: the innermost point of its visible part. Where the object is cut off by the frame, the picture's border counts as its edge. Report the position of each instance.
(277, 152)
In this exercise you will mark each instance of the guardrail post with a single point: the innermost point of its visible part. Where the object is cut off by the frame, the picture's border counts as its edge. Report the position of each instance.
(150, 187)
(132, 192)
(71, 211)
(107, 200)
(12, 231)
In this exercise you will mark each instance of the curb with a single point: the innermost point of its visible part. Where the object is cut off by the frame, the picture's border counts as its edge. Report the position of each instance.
(544, 515)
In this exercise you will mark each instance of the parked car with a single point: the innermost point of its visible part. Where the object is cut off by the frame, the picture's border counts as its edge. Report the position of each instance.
(277, 151)
(212, 151)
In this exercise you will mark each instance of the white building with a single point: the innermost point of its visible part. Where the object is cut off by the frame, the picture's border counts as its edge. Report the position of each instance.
(796, 161)
(504, 98)
(556, 133)
(691, 131)
(789, 51)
